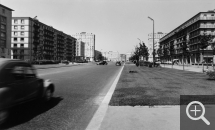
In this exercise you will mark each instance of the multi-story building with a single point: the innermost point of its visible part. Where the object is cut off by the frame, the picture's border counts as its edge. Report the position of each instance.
(80, 48)
(122, 57)
(5, 31)
(190, 32)
(34, 40)
(157, 37)
(111, 55)
(89, 40)
(128, 55)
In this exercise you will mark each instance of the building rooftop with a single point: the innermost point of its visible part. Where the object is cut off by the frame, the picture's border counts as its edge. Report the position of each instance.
(6, 7)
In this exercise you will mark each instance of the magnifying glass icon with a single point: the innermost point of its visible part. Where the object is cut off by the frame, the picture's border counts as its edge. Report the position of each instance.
(201, 116)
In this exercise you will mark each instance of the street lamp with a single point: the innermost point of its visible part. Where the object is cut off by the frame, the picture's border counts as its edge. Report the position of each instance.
(153, 42)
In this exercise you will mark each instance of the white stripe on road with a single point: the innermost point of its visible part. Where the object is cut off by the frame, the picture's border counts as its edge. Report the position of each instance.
(98, 117)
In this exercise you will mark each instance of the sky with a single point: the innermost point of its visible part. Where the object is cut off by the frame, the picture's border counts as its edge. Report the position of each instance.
(117, 24)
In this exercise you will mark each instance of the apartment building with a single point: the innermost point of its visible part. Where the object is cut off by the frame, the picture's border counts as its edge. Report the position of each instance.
(157, 37)
(111, 55)
(34, 40)
(189, 32)
(89, 40)
(5, 31)
(80, 48)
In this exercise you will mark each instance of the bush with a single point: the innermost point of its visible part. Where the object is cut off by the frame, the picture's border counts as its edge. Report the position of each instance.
(211, 74)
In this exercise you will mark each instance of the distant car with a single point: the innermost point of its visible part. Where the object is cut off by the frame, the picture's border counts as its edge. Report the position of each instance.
(65, 62)
(118, 63)
(19, 84)
(102, 63)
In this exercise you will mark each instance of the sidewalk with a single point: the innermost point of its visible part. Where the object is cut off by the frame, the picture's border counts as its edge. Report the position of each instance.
(55, 65)
(193, 68)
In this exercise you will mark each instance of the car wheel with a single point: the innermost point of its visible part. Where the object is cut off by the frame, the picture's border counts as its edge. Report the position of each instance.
(48, 95)
(3, 116)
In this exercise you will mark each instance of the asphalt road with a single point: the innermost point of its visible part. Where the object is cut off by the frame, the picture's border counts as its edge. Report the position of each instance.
(79, 91)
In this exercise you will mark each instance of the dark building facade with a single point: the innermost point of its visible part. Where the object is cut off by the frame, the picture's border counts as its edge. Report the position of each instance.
(34, 40)
(5, 31)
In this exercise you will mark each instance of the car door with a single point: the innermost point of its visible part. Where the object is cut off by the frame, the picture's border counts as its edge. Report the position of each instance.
(15, 93)
(32, 83)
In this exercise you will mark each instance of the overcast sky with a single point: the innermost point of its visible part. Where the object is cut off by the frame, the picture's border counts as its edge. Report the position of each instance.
(116, 23)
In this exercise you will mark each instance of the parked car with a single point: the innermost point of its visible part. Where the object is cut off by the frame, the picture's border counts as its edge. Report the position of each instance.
(19, 84)
(118, 63)
(102, 63)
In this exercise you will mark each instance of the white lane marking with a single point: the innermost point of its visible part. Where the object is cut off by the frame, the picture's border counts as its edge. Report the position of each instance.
(98, 117)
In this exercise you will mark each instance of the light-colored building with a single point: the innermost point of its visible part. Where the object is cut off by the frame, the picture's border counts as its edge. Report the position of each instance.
(123, 57)
(5, 31)
(111, 55)
(33, 40)
(128, 55)
(189, 33)
(89, 40)
(80, 48)
(157, 37)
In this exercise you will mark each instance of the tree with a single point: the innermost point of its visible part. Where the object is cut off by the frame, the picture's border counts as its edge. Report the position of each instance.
(159, 52)
(171, 52)
(100, 57)
(204, 43)
(143, 50)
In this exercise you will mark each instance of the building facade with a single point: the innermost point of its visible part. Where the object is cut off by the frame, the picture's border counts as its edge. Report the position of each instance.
(5, 31)
(89, 40)
(157, 37)
(33, 40)
(190, 32)
(80, 48)
(111, 56)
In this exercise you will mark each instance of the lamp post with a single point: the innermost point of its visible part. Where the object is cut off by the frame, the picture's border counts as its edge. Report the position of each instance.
(153, 43)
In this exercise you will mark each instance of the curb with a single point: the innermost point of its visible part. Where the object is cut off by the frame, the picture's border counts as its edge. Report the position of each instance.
(57, 66)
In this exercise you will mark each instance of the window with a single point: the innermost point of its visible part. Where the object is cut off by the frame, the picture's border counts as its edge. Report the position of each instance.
(3, 27)
(22, 33)
(22, 21)
(22, 45)
(15, 38)
(18, 72)
(22, 39)
(15, 27)
(22, 27)
(3, 19)
(3, 11)
(29, 72)
(2, 34)
(15, 45)
(15, 21)
(15, 33)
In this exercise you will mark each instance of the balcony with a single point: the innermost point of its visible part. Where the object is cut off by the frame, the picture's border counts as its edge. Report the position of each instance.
(207, 26)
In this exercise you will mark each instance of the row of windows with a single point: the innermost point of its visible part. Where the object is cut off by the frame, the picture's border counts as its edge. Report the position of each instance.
(16, 27)
(16, 21)
(21, 45)
(16, 39)
(21, 33)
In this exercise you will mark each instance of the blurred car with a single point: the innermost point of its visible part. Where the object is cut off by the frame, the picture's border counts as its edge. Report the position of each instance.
(19, 84)
(102, 63)
(65, 62)
(118, 63)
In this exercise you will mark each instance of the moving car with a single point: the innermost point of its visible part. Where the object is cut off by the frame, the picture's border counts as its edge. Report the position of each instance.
(19, 84)
(102, 63)
(118, 63)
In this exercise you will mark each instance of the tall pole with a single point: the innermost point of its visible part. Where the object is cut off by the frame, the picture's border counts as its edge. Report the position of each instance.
(153, 43)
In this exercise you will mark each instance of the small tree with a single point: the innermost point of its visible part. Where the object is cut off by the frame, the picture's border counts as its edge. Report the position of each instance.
(171, 52)
(204, 43)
